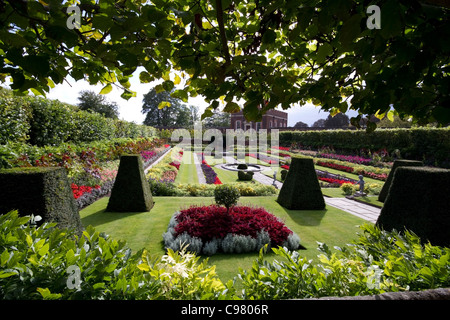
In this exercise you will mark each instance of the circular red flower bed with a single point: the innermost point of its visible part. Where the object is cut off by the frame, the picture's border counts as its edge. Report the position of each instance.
(209, 222)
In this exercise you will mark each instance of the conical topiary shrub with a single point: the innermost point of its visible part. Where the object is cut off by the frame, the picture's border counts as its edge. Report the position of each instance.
(397, 163)
(301, 189)
(418, 201)
(39, 191)
(131, 191)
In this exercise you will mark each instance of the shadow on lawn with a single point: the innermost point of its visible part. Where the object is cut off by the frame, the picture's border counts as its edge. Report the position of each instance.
(306, 217)
(102, 216)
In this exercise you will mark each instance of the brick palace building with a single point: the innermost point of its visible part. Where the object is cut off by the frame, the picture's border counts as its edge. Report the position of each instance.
(272, 119)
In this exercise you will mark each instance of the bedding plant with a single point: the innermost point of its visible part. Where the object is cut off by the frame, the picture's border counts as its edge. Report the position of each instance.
(229, 228)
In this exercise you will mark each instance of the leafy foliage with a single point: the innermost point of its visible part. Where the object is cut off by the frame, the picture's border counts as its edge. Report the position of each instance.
(284, 52)
(92, 102)
(377, 262)
(164, 110)
(226, 195)
(35, 263)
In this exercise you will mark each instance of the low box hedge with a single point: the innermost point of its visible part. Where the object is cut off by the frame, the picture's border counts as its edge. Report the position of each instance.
(301, 189)
(131, 191)
(397, 163)
(40, 191)
(418, 201)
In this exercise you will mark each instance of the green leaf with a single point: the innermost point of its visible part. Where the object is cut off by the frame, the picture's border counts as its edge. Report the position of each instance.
(4, 274)
(350, 29)
(168, 85)
(232, 107)
(207, 113)
(106, 89)
(43, 251)
(164, 104)
(269, 37)
(180, 94)
(127, 94)
(47, 295)
(323, 52)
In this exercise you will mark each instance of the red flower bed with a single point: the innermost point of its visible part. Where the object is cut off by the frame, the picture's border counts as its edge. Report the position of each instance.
(335, 166)
(78, 191)
(335, 181)
(176, 164)
(282, 148)
(209, 222)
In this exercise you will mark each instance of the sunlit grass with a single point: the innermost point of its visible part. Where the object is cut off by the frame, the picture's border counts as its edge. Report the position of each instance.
(144, 229)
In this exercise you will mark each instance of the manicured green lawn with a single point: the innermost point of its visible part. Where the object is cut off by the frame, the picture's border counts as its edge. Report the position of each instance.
(188, 171)
(145, 229)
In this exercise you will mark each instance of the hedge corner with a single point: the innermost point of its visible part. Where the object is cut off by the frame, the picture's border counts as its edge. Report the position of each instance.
(418, 201)
(397, 163)
(40, 191)
(131, 191)
(301, 189)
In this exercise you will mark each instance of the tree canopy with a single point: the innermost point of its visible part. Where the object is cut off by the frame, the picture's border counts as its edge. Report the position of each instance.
(283, 52)
(163, 110)
(93, 102)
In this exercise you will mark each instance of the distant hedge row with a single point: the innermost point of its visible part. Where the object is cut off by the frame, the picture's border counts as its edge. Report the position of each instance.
(431, 145)
(41, 122)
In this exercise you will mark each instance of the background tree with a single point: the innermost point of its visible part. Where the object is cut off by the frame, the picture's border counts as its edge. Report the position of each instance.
(301, 124)
(319, 123)
(339, 120)
(218, 120)
(163, 110)
(395, 123)
(93, 102)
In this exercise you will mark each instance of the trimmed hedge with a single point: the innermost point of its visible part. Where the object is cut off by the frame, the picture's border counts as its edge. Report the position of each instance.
(301, 189)
(431, 144)
(44, 192)
(244, 175)
(397, 163)
(44, 122)
(131, 191)
(418, 201)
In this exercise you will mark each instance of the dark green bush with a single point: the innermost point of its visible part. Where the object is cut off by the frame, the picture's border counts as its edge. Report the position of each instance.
(15, 114)
(131, 191)
(397, 163)
(301, 189)
(226, 195)
(283, 173)
(40, 191)
(51, 122)
(245, 176)
(418, 200)
(242, 166)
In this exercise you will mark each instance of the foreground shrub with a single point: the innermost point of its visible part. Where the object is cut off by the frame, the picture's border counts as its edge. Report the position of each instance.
(209, 229)
(377, 262)
(51, 263)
